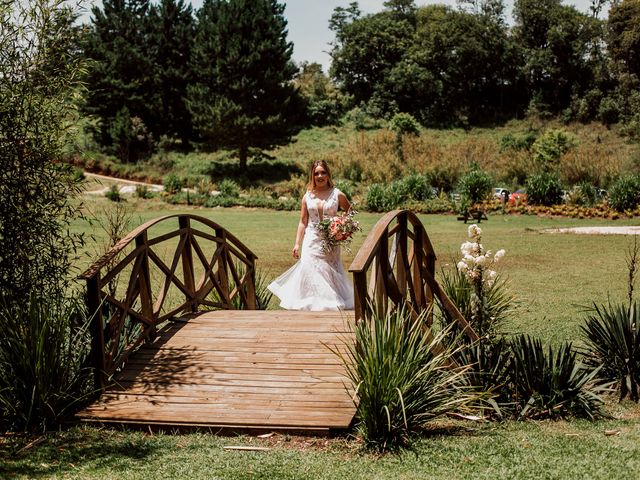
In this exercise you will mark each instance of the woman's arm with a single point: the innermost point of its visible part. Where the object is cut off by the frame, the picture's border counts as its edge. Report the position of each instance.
(343, 201)
(302, 225)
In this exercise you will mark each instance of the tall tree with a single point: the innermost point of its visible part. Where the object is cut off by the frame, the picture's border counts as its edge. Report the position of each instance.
(121, 68)
(172, 31)
(623, 36)
(559, 44)
(242, 96)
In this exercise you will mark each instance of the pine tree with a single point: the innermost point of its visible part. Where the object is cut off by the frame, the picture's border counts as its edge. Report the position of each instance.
(171, 43)
(121, 67)
(242, 96)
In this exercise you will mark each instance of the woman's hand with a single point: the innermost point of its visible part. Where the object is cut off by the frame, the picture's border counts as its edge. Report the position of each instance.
(296, 251)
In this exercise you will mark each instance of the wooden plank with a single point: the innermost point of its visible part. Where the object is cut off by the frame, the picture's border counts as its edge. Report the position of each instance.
(240, 369)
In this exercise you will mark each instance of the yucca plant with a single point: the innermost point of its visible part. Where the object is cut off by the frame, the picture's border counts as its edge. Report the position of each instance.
(612, 337)
(399, 382)
(489, 372)
(498, 303)
(43, 351)
(553, 383)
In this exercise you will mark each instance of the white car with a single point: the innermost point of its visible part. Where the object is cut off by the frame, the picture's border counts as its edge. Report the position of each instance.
(501, 193)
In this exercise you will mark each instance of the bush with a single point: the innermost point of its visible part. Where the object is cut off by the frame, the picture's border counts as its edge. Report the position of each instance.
(549, 147)
(544, 189)
(624, 194)
(517, 143)
(43, 348)
(404, 124)
(612, 338)
(418, 187)
(376, 198)
(229, 188)
(552, 384)
(475, 186)
(346, 187)
(172, 184)
(113, 194)
(399, 382)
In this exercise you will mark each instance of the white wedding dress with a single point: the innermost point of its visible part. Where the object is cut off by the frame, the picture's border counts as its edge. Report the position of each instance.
(317, 281)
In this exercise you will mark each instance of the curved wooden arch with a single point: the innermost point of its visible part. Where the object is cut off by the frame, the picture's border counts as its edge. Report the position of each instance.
(123, 318)
(399, 260)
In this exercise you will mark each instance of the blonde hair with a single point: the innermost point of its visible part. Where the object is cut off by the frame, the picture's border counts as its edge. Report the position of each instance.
(312, 181)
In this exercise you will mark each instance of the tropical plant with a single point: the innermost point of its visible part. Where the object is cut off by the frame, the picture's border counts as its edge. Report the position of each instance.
(399, 382)
(44, 347)
(475, 185)
(172, 184)
(624, 194)
(553, 384)
(544, 189)
(229, 188)
(612, 337)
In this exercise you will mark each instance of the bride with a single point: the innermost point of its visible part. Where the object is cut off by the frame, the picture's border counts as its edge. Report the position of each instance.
(318, 280)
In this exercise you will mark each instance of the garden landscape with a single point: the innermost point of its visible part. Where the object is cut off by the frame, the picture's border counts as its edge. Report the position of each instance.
(492, 339)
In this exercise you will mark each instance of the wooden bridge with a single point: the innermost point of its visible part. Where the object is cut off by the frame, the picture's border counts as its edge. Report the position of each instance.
(180, 337)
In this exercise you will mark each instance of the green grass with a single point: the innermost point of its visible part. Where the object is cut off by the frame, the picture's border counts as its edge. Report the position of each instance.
(552, 275)
(532, 450)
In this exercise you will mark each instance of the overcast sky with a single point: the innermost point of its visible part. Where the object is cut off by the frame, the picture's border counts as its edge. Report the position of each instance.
(309, 23)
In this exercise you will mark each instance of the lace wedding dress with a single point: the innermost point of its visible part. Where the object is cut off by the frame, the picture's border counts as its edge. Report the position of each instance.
(318, 280)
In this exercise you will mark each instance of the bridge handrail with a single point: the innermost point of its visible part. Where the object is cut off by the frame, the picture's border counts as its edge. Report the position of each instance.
(404, 276)
(229, 271)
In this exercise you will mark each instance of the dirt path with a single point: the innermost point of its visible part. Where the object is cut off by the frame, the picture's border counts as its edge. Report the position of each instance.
(622, 230)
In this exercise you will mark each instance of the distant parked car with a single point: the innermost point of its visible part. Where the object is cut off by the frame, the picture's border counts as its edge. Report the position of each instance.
(517, 197)
(500, 193)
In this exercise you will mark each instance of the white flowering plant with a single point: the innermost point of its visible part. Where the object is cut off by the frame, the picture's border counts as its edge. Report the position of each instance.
(477, 266)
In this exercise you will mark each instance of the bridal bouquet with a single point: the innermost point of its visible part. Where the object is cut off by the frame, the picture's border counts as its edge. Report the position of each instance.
(338, 230)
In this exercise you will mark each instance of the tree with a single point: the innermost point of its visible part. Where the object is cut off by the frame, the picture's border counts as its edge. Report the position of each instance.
(366, 50)
(172, 31)
(121, 74)
(325, 104)
(561, 47)
(40, 72)
(623, 35)
(242, 95)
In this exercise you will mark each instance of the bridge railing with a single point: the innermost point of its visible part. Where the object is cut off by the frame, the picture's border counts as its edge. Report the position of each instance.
(395, 267)
(158, 272)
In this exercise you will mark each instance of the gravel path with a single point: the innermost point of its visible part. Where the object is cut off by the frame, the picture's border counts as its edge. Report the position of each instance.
(622, 230)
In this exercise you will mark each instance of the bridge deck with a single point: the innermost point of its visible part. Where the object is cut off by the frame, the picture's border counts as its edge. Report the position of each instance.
(240, 369)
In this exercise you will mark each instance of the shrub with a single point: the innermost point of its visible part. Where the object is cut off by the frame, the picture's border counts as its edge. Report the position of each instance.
(229, 188)
(43, 347)
(399, 382)
(612, 337)
(404, 124)
(375, 199)
(442, 179)
(544, 189)
(113, 194)
(418, 187)
(476, 185)
(519, 142)
(142, 191)
(549, 147)
(346, 187)
(172, 184)
(624, 194)
(552, 384)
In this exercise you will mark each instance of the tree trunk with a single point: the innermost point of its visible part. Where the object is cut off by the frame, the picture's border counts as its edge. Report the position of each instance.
(243, 152)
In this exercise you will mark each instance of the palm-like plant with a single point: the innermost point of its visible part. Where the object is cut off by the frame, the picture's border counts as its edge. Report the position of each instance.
(552, 383)
(399, 382)
(612, 337)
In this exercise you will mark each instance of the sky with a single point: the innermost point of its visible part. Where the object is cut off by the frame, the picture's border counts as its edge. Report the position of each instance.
(308, 23)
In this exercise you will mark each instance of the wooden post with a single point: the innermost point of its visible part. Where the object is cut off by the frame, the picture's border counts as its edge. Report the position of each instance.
(187, 262)
(94, 306)
(402, 257)
(251, 285)
(223, 274)
(144, 282)
(360, 294)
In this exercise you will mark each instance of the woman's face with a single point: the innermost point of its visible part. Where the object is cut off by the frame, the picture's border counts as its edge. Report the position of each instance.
(320, 177)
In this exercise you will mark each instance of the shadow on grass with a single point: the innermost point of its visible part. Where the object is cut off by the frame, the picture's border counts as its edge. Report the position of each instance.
(258, 170)
(68, 451)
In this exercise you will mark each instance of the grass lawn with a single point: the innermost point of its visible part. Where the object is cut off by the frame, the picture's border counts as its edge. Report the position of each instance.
(552, 275)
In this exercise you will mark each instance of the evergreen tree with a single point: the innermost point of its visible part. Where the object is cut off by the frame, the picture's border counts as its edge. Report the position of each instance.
(242, 96)
(121, 67)
(171, 42)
